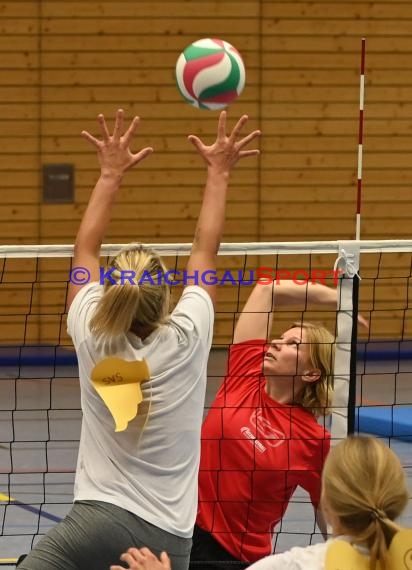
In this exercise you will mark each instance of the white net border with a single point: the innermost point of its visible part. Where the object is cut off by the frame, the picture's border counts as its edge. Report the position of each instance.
(251, 248)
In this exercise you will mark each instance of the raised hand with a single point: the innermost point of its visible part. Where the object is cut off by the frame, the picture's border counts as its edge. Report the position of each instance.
(227, 149)
(143, 559)
(115, 156)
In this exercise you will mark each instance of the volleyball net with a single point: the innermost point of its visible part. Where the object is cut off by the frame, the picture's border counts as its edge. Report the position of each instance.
(40, 414)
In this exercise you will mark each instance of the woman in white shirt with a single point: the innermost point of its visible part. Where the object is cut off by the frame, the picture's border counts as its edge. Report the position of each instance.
(364, 490)
(136, 477)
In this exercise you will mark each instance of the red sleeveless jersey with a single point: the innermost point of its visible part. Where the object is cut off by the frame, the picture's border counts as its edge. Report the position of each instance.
(255, 452)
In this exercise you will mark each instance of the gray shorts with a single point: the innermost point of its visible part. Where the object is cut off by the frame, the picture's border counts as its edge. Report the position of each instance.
(93, 536)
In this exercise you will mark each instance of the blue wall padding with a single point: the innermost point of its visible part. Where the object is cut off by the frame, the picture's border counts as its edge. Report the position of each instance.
(386, 421)
(37, 356)
(65, 356)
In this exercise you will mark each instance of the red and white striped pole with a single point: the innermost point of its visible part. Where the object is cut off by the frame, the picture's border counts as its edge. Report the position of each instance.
(360, 140)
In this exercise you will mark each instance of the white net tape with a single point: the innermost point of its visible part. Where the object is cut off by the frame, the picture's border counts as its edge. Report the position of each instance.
(250, 248)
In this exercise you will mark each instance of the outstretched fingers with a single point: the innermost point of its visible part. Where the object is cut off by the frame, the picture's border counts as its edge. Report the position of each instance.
(252, 152)
(141, 155)
(91, 139)
(238, 127)
(250, 137)
(245, 141)
(103, 127)
(118, 125)
(195, 141)
(127, 137)
(221, 125)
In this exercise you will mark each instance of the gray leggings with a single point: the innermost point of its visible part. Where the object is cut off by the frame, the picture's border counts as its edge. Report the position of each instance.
(93, 536)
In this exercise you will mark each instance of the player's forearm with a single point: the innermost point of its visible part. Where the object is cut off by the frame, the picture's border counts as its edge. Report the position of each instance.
(98, 213)
(287, 292)
(209, 228)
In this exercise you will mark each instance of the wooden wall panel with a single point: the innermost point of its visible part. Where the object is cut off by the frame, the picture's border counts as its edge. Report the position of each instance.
(19, 122)
(63, 62)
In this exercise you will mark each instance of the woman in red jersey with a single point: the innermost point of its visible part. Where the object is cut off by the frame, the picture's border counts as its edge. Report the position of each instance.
(261, 438)
(364, 491)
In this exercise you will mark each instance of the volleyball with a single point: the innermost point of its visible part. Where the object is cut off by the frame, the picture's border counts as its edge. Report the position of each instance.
(210, 74)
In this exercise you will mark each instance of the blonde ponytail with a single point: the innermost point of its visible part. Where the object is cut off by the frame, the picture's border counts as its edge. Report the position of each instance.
(139, 302)
(364, 486)
(382, 532)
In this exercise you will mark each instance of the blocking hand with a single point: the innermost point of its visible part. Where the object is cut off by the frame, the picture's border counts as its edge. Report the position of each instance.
(115, 156)
(227, 149)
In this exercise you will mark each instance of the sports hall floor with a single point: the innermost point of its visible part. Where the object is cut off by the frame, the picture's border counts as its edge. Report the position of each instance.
(46, 404)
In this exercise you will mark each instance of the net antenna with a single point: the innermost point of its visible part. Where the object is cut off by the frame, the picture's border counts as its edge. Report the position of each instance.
(360, 139)
(344, 399)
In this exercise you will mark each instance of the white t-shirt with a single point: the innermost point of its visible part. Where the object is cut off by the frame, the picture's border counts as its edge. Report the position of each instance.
(300, 558)
(151, 468)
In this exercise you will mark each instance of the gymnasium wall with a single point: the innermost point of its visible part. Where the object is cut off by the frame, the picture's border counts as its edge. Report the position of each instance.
(64, 62)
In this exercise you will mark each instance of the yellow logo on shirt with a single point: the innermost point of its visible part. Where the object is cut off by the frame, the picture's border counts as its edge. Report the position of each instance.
(117, 382)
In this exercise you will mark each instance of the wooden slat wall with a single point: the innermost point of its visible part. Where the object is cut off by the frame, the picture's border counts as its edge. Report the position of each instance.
(63, 62)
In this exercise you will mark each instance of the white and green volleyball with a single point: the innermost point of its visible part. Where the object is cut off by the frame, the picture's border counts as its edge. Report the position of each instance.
(210, 74)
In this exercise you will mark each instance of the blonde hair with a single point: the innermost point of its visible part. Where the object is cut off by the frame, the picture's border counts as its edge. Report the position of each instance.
(364, 486)
(317, 396)
(139, 306)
